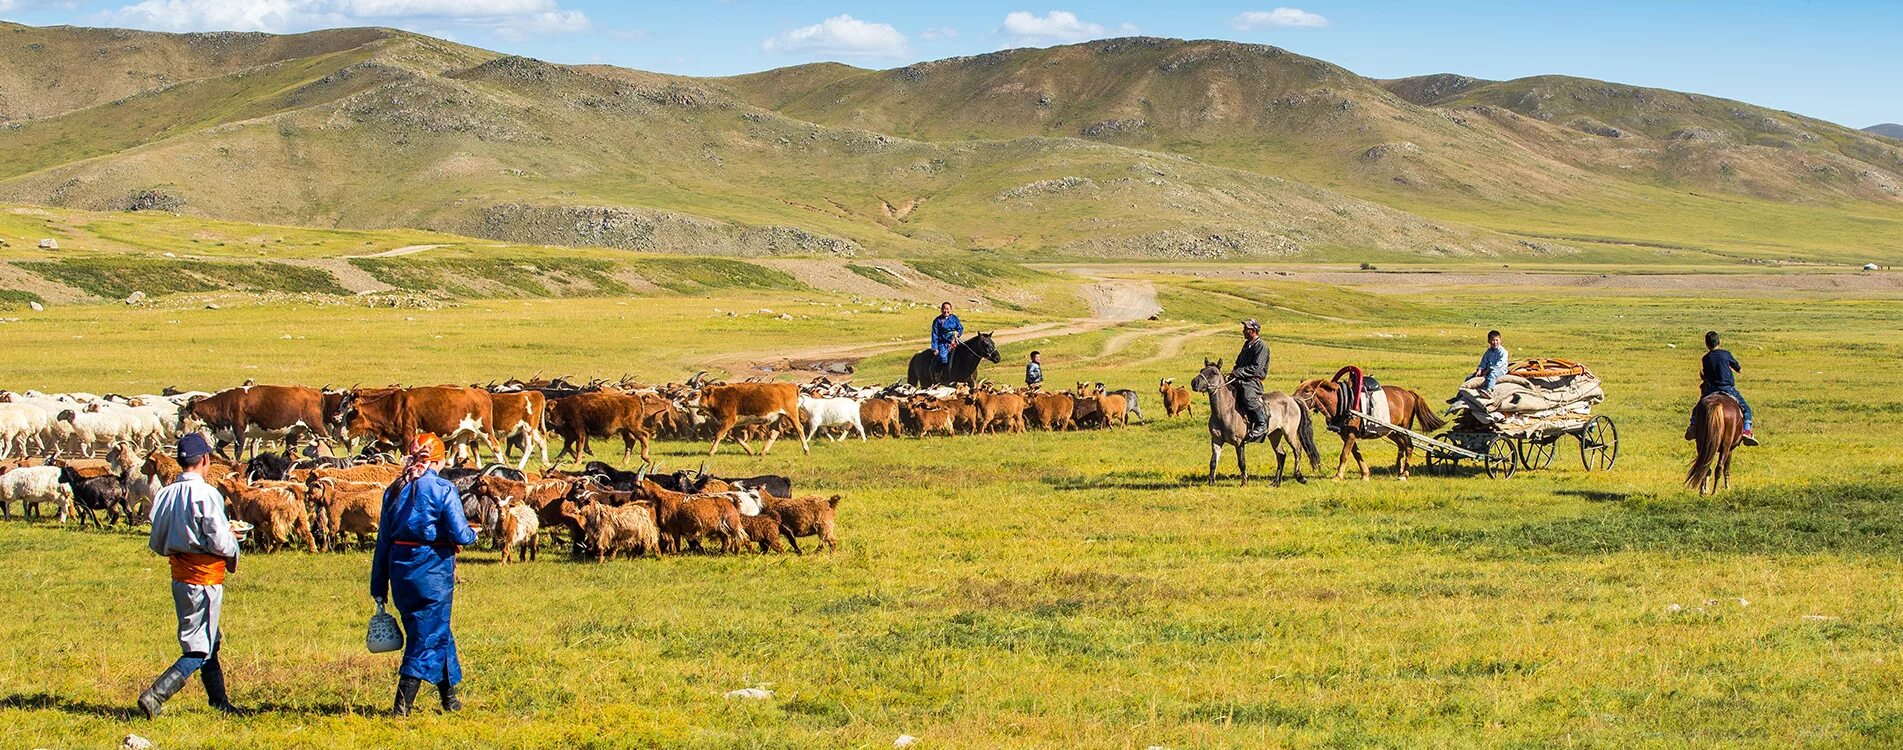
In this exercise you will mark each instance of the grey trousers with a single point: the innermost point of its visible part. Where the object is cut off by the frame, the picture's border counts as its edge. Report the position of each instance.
(197, 608)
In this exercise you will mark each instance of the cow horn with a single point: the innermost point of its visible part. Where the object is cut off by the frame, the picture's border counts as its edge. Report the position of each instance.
(702, 472)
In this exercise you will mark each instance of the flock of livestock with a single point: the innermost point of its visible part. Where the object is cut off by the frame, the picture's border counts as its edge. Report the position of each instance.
(88, 455)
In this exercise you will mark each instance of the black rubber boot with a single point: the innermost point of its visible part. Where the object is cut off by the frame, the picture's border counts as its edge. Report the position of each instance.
(152, 701)
(451, 703)
(405, 695)
(213, 675)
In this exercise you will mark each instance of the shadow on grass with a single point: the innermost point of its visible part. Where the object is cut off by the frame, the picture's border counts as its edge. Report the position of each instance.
(51, 702)
(1598, 496)
(1787, 519)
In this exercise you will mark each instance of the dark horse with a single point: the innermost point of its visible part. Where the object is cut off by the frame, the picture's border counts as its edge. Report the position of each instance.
(1718, 428)
(923, 372)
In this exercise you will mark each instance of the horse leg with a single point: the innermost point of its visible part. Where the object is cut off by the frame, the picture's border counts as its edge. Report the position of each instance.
(1215, 455)
(1275, 441)
(1341, 464)
(1242, 462)
(1403, 451)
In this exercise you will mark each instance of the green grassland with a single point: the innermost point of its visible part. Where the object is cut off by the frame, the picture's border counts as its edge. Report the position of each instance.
(1063, 590)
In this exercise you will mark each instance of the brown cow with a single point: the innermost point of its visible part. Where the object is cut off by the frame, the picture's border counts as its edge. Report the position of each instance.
(258, 413)
(522, 415)
(745, 404)
(601, 414)
(1175, 397)
(457, 414)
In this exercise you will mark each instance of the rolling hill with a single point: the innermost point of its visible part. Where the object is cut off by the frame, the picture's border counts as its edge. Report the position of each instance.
(1132, 148)
(1887, 130)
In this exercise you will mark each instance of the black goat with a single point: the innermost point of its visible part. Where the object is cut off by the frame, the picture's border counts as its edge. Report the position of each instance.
(105, 493)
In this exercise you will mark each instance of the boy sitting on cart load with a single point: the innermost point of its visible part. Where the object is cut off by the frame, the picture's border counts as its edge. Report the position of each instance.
(1716, 376)
(1493, 364)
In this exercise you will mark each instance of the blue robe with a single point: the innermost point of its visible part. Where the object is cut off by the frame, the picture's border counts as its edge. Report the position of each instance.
(421, 578)
(945, 332)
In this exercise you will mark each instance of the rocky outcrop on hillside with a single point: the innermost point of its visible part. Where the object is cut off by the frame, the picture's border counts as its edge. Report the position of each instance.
(647, 230)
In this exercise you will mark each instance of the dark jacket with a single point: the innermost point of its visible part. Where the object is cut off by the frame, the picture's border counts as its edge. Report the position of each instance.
(1252, 363)
(1717, 368)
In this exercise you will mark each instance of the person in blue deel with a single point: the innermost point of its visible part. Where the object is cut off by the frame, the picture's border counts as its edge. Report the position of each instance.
(422, 528)
(945, 332)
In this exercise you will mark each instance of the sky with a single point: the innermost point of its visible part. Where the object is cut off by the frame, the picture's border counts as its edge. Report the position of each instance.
(1836, 60)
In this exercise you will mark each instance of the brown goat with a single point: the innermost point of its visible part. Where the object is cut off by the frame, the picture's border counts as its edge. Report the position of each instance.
(275, 511)
(882, 413)
(1052, 411)
(516, 527)
(1175, 397)
(1111, 408)
(929, 416)
(811, 515)
(345, 508)
(994, 409)
(690, 518)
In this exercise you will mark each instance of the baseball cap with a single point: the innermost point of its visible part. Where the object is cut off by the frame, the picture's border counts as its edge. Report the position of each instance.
(191, 446)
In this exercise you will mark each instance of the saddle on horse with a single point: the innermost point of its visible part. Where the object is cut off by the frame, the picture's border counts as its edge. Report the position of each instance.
(1358, 392)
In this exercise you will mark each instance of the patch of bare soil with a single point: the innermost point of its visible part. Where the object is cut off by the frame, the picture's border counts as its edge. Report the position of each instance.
(348, 276)
(900, 281)
(1401, 282)
(14, 277)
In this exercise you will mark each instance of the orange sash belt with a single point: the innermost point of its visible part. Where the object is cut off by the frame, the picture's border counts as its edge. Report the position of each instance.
(197, 569)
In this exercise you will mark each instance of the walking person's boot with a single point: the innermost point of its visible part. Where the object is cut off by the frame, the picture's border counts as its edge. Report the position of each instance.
(405, 695)
(213, 675)
(152, 701)
(451, 703)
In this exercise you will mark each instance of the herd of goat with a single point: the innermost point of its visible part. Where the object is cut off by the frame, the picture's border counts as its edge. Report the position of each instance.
(88, 455)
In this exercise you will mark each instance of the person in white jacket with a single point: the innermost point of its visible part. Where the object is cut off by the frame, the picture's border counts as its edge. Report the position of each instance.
(190, 529)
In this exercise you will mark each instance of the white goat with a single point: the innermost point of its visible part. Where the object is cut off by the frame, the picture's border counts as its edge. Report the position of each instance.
(828, 413)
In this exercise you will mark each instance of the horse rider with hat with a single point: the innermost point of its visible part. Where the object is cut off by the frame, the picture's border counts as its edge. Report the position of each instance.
(1251, 366)
(190, 529)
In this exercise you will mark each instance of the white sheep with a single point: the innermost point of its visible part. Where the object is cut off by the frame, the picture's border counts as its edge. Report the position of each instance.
(32, 486)
(20, 428)
(821, 413)
(105, 424)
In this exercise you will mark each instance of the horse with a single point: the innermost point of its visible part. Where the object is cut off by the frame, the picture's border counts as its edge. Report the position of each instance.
(1718, 428)
(923, 371)
(1404, 406)
(1288, 423)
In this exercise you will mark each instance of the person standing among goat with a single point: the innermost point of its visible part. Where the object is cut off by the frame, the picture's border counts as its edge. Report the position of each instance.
(1034, 372)
(1717, 375)
(1251, 366)
(946, 330)
(190, 529)
(415, 565)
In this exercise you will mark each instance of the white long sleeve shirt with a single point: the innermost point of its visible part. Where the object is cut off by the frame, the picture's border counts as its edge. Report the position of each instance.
(188, 516)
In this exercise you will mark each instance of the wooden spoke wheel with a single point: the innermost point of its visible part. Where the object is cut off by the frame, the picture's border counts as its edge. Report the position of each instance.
(1537, 453)
(1502, 460)
(1599, 444)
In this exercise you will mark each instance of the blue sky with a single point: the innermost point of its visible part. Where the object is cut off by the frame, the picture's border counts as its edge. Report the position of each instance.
(1834, 60)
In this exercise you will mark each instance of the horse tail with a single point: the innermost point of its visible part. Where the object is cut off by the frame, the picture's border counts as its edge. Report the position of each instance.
(1428, 419)
(1707, 447)
(1306, 431)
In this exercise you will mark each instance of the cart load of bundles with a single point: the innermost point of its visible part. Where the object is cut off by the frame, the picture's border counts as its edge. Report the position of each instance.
(1536, 396)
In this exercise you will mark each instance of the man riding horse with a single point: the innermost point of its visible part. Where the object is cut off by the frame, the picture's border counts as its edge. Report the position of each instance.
(1252, 365)
(946, 329)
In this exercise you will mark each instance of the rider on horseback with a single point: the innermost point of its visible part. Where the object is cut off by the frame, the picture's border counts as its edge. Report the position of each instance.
(945, 332)
(1252, 365)
(1716, 376)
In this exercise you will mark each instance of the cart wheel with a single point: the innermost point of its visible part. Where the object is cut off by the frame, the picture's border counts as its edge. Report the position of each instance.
(1434, 464)
(1537, 453)
(1599, 444)
(1501, 461)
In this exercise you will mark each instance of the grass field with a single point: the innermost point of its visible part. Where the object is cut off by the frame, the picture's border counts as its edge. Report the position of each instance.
(1068, 590)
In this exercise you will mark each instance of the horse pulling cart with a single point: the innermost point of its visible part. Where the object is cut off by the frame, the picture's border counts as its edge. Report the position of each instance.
(1519, 424)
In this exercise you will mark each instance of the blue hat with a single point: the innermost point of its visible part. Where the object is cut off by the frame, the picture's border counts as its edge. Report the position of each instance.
(192, 446)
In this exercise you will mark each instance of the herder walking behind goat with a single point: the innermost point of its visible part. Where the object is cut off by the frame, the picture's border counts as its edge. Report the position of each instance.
(190, 529)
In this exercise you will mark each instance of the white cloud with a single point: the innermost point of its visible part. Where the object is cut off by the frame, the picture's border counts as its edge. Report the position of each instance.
(842, 35)
(933, 34)
(504, 18)
(1257, 20)
(1056, 26)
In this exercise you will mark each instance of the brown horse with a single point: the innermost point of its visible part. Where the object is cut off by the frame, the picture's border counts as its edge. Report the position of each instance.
(1405, 408)
(1718, 428)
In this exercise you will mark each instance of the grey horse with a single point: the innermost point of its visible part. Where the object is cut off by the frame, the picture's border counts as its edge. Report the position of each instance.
(1288, 425)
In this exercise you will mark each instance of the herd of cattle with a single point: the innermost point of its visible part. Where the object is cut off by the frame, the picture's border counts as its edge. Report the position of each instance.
(89, 454)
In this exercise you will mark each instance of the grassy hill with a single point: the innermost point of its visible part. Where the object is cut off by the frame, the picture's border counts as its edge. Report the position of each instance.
(1887, 130)
(1128, 148)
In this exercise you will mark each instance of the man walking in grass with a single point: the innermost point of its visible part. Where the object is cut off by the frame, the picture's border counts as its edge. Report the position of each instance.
(1717, 375)
(190, 529)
